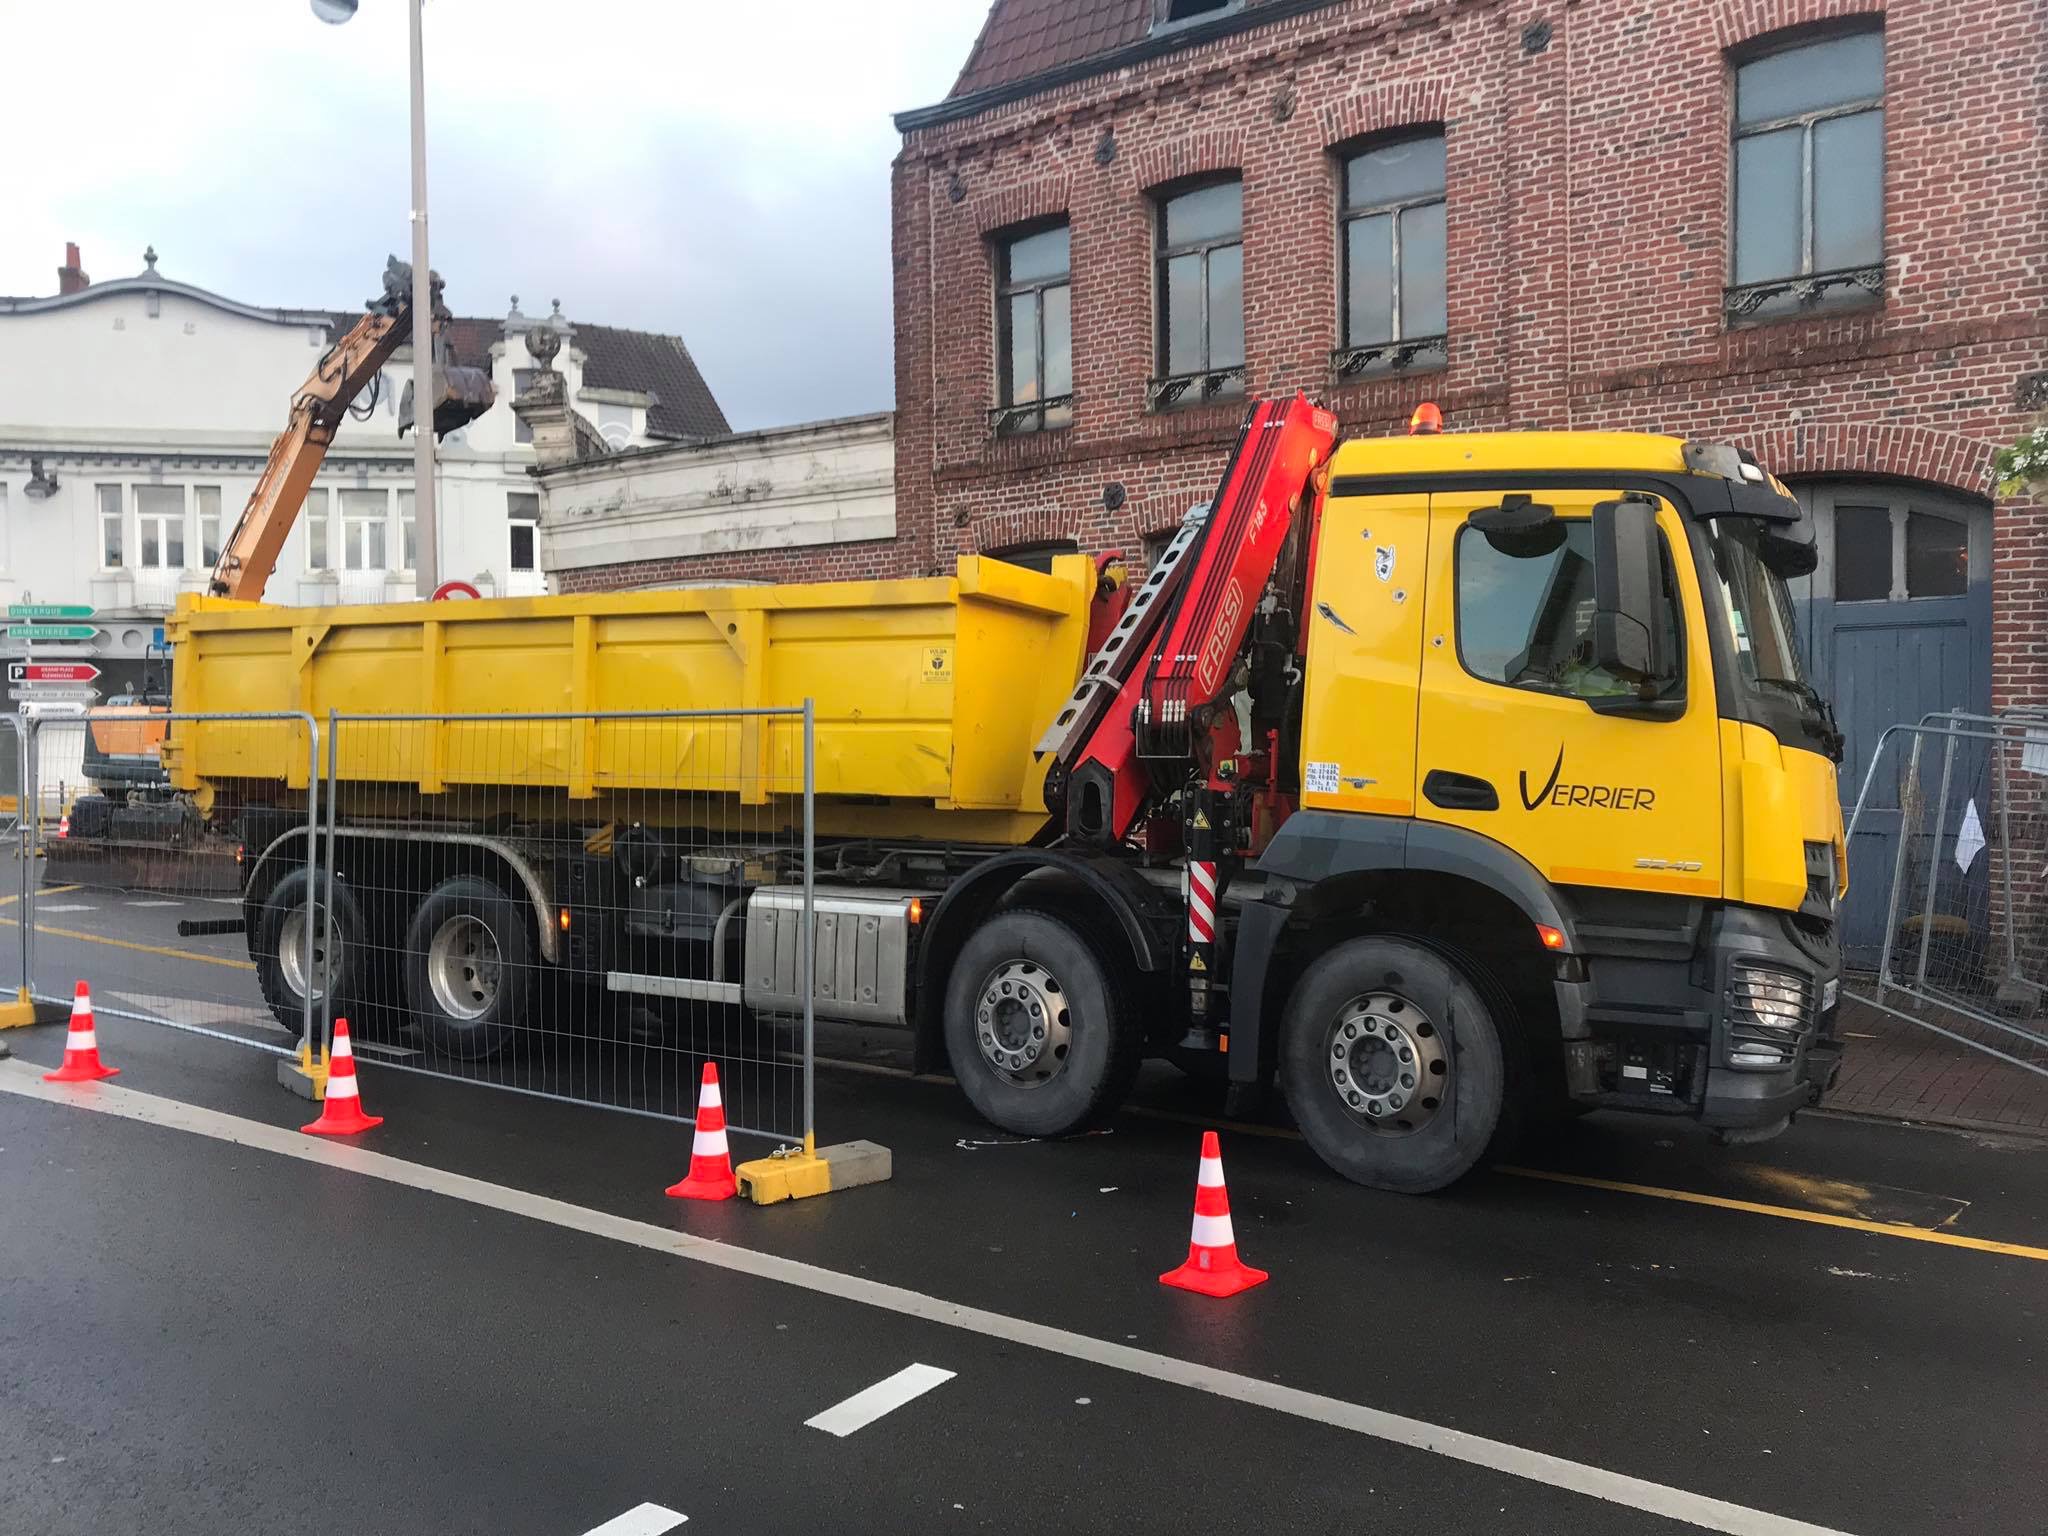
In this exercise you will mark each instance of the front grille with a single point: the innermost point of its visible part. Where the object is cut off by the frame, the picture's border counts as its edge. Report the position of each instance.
(1770, 1013)
(1820, 880)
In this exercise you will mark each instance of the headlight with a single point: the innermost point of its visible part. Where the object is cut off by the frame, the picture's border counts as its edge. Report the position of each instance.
(1769, 1011)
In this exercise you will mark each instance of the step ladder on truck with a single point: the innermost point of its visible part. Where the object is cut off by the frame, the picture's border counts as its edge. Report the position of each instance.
(1450, 782)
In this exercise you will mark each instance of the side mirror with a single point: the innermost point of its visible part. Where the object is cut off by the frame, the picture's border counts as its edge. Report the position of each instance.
(1627, 573)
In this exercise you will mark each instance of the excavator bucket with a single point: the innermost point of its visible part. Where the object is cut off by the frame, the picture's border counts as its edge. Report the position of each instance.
(463, 395)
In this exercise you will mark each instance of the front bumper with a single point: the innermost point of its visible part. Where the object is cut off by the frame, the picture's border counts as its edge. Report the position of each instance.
(1727, 1017)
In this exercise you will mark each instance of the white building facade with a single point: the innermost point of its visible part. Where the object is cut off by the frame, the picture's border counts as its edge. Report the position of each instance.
(136, 416)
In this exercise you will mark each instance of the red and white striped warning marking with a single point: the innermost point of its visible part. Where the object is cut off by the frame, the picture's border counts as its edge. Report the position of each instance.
(1202, 901)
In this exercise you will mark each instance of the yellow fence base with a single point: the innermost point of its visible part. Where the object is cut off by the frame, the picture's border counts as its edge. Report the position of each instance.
(25, 1010)
(801, 1172)
(306, 1075)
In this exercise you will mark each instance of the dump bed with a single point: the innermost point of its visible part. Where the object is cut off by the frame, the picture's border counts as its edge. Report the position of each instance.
(929, 692)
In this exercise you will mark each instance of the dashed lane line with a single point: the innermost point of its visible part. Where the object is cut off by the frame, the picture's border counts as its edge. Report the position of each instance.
(24, 1080)
(640, 1520)
(871, 1403)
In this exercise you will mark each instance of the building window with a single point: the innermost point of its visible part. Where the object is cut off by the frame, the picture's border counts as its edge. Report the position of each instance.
(522, 512)
(319, 553)
(363, 517)
(1888, 550)
(408, 534)
(1201, 296)
(1809, 178)
(160, 527)
(522, 381)
(113, 546)
(1034, 332)
(1525, 611)
(1392, 299)
(1169, 13)
(206, 504)
(1034, 557)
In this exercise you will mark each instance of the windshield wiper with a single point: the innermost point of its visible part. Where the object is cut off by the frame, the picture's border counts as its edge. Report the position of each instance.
(1830, 735)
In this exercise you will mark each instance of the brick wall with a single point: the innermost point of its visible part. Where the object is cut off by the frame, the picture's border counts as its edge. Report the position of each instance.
(1587, 182)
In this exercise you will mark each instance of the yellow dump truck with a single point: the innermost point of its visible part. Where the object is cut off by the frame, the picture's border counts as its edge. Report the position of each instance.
(1453, 781)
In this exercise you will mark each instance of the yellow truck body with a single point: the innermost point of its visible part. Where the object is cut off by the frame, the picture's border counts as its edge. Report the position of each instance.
(929, 692)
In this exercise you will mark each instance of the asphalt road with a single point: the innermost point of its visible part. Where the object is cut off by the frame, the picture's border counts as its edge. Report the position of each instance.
(205, 1335)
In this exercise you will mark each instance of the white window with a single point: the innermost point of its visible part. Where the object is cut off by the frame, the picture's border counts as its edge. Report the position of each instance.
(364, 515)
(160, 527)
(113, 547)
(522, 511)
(408, 534)
(318, 552)
(206, 502)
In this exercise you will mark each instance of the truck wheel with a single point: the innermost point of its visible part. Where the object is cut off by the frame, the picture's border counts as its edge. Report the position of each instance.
(280, 947)
(469, 968)
(1036, 1026)
(1393, 1062)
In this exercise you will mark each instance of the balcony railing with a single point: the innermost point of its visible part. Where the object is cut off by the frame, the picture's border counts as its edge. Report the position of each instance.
(1799, 295)
(1410, 354)
(1186, 389)
(1047, 415)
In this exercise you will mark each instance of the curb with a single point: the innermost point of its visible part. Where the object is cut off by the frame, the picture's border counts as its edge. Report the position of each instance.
(1929, 1122)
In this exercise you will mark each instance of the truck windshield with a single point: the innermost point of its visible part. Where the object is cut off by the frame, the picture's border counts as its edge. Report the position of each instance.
(1765, 629)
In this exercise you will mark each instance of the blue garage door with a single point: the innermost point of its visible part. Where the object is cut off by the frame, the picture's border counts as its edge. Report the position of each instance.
(1898, 619)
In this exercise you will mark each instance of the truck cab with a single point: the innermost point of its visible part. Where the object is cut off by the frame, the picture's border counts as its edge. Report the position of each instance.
(1555, 738)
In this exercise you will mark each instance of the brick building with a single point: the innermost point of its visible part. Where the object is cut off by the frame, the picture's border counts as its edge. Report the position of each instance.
(1818, 228)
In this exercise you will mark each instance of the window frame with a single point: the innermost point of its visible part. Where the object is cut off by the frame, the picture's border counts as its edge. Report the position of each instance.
(517, 517)
(1014, 418)
(318, 521)
(347, 521)
(1675, 700)
(118, 516)
(1860, 283)
(1397, 353)
(201, 516)
(164, 523)
(404, 515)
(1167, 391)
(1826, 497)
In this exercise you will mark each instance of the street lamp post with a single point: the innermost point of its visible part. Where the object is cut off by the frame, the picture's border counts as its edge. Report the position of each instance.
(426, 563)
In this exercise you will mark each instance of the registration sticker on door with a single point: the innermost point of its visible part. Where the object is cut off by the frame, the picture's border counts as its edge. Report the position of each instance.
(1320, 778)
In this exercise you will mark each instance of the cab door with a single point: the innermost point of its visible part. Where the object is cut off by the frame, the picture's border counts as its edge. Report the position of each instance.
(1524, 741)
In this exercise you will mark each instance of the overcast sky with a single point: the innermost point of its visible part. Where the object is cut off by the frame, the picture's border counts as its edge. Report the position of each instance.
(713, 169)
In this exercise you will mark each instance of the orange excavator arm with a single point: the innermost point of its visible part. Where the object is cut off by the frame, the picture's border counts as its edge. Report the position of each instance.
(347, 368)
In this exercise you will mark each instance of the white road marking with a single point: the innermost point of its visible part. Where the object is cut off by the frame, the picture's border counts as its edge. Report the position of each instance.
(135, 904)
(885, 1396)
(640, 1520)
(63, 906)
(25, 1080)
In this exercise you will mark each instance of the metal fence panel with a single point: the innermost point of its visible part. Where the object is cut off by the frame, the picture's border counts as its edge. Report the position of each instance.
(136, 888)
(1963, 949)
(559, 904)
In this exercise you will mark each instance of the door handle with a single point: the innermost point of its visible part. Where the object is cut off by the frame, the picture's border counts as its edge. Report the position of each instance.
(1459, 792)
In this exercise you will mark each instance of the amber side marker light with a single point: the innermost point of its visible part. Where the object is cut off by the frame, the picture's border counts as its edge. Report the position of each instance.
(1553, 938)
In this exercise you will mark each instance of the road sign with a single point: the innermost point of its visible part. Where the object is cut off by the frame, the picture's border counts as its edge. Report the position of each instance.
(51, 672)
(54, 695)
(48, 611)
(52, 631)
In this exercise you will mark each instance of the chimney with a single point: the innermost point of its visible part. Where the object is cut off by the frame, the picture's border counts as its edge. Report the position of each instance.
(71, 276)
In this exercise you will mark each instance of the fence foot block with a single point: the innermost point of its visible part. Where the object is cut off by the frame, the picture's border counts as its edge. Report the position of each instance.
(24, 1010)
(305, 1075)
(770, 1180)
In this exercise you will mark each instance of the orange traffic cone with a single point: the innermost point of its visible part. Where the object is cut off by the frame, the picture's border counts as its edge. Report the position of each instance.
(710, 1161)
(1213, 1267)
(341, 1114)
(81, 1046)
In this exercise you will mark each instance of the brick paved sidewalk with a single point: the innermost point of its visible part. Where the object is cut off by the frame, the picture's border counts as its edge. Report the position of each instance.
(1894, 1068)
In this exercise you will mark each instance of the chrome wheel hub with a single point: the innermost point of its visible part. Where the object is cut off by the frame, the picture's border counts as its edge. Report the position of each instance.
(463, 963)
(1021, 1023)
(291, 950)
(1388, 1064)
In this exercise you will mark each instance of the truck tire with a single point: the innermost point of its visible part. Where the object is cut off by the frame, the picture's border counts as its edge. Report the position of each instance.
(1041, 1038)
(469, 967)
(279, 946)
(1397, 1057)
